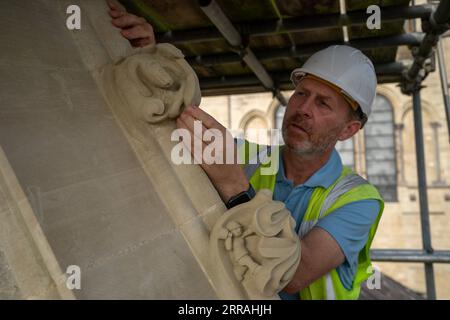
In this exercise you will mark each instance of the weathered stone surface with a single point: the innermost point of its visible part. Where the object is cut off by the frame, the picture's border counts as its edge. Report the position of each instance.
(8, 286)
(27, 262)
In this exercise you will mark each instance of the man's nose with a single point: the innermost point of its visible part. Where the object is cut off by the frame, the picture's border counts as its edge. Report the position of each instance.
(305, 108)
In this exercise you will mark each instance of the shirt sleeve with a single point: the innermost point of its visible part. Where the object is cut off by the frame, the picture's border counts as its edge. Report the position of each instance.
(349, 225)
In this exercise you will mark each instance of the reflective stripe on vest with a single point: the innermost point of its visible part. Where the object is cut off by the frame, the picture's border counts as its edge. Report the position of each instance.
(330, 288)
(345, 184)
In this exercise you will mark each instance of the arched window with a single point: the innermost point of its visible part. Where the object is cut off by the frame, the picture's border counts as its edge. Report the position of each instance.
(345, 148)
(255, 129)
(380, 148)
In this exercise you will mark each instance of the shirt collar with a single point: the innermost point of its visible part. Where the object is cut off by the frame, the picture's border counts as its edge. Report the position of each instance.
(324, 177)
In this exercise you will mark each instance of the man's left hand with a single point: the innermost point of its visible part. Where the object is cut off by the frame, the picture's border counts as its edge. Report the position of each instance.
(228, 178)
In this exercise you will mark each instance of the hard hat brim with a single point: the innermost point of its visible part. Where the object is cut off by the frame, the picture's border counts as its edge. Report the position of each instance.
(298, 74)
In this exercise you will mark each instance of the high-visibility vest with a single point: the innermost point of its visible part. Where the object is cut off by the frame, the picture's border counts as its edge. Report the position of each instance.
(348, 187)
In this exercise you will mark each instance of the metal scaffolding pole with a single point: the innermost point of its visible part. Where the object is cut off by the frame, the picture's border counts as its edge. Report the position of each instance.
(355, 18)
(408, 255)
(437, 24)
(386, 72)
(250, 84)
(226, 28)
(307, 49)
(423, 196)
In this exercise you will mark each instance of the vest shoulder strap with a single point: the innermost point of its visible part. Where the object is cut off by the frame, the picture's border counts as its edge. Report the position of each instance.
(343, 185)
(254, 163)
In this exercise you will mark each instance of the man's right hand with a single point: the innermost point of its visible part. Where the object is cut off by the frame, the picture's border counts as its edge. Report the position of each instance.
(135, 29)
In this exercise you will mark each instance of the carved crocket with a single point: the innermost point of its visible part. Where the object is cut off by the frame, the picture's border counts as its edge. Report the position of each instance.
(255, 244)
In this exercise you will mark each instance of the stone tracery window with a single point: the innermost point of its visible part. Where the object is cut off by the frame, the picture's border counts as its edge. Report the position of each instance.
(256, 130)
(380, 148)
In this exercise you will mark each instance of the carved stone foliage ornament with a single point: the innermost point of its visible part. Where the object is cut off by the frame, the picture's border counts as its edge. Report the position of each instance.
(156, 82)
(255, 246)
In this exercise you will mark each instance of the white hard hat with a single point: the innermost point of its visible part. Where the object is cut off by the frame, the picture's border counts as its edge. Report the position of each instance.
(345, 67)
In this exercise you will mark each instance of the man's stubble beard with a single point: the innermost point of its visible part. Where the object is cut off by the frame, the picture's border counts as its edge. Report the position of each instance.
(314, 147)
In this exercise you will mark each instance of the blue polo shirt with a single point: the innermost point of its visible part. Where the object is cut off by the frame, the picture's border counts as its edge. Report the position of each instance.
(348, 225)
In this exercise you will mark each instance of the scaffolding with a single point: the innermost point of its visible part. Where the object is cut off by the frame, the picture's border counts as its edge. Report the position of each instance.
(437, 23)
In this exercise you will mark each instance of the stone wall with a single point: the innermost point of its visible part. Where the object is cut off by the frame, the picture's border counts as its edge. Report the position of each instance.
(92, 196)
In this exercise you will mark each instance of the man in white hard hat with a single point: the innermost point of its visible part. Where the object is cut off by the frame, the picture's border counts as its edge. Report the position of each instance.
(336, 211)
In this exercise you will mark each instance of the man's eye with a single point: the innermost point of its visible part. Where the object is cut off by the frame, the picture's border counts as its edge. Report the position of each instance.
(322, 103)
(300, 93)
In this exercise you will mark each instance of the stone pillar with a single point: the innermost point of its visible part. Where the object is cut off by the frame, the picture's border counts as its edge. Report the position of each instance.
(435, 128)
(400, 153)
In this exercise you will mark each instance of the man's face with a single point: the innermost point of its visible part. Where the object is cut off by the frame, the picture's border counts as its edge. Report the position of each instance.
(314, 119)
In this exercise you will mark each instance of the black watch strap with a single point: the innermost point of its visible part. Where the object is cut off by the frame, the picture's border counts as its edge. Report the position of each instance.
(241, 197)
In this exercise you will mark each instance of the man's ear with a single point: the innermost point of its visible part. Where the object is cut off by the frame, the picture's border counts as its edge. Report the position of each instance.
(350, 129)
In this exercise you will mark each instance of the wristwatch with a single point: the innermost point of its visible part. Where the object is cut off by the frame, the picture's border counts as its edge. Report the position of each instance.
(242, 197)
